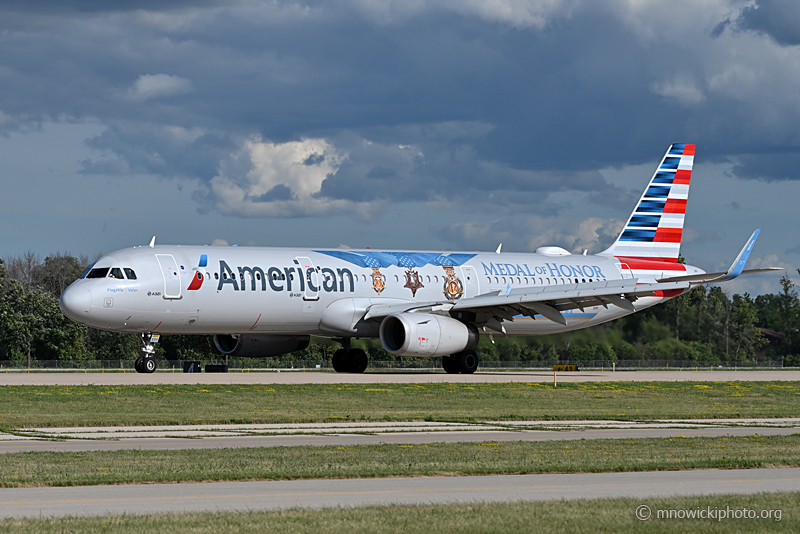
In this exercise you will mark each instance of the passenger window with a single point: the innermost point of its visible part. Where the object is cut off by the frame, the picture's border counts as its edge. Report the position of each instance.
(129, 273)
(100, 272)
(216, 276)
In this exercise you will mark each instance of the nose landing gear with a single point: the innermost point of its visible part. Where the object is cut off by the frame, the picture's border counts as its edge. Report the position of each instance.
(146, 363)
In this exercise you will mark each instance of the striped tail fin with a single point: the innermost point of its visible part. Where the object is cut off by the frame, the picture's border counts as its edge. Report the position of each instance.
(654, 229)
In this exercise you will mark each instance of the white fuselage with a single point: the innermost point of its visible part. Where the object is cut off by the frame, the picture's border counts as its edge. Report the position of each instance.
(238, 290)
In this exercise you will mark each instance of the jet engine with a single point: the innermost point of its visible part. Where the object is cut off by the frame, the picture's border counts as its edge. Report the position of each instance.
(424, 334)
(259, 345)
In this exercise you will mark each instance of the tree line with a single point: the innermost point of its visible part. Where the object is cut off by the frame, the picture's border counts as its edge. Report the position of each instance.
(704, 325)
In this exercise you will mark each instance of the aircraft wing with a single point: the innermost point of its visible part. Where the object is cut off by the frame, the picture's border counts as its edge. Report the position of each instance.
(548, 301)
(736, 269)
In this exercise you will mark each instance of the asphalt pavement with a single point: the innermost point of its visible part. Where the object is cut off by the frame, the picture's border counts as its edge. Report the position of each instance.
(274, 495)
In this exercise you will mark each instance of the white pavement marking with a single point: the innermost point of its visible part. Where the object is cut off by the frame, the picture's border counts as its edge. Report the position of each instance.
(264, 435)
(211, 430)
(274, 495)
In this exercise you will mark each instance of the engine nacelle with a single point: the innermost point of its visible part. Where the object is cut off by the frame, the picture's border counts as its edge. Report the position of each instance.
(424, 334)
(259, 345)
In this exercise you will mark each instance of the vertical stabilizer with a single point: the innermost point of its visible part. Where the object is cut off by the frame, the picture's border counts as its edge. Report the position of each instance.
(654, 229)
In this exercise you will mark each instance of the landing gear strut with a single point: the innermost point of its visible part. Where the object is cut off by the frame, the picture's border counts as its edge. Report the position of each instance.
(146, 363)
(349, 360)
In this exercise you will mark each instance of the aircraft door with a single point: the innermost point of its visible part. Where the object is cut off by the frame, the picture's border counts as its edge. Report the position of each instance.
(625, 270)
(311, 279)
(470, 280)
(171, 274)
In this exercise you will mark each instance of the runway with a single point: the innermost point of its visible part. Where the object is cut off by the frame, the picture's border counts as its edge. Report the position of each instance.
(274, 495)
(19, 378)
(293, 435)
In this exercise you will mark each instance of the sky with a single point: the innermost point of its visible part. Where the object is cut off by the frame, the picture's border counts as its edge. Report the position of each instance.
(401, 124)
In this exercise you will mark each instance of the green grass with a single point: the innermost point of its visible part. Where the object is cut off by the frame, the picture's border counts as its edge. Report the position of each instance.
(587, 516)
(43, 406)
(308, 462)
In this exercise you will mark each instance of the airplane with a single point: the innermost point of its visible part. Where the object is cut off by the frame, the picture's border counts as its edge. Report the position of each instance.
(263, 302)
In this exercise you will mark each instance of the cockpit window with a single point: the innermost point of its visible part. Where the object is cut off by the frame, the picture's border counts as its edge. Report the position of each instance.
(129, 273)
(116, 272)
(100, 272)
(89, 268)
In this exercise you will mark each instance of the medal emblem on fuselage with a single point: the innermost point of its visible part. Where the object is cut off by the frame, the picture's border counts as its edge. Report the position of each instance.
(453, 287)
(413, 282)
(378, 280)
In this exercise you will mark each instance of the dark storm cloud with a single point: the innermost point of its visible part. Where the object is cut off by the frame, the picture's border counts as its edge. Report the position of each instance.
(780, 19)
(452, 103)
(768, 166)
(169, 151)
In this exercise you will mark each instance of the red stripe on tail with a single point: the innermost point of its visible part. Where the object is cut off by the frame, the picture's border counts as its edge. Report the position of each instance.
(668, 235)
(675, 205)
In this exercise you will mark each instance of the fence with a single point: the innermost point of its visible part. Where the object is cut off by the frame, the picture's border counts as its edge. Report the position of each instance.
(253, 364)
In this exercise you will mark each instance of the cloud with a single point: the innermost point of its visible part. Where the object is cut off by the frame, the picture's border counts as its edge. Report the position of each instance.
(768, 166)
(529, 233)
(779, 19)
(516, 13)
(353, 175)
(684, 91)
(150, 86)
(267, 179)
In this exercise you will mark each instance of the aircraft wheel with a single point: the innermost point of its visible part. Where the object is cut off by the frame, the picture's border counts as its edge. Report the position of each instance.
(149, 365)
(467, 361)
(339, 361)
(450, 365)
(358, 361)
(138, 365)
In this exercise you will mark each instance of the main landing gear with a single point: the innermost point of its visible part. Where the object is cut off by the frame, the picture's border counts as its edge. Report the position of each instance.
(349, 360)
(465, 362)
(146, 363)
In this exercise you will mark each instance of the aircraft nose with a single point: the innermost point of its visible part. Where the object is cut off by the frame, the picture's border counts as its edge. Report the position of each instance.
(75, 303)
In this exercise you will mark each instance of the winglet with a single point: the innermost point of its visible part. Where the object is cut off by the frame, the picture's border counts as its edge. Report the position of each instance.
(738, 264)
(153, 242)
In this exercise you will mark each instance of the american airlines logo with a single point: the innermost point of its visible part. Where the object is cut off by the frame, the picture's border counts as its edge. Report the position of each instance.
(290, 279)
